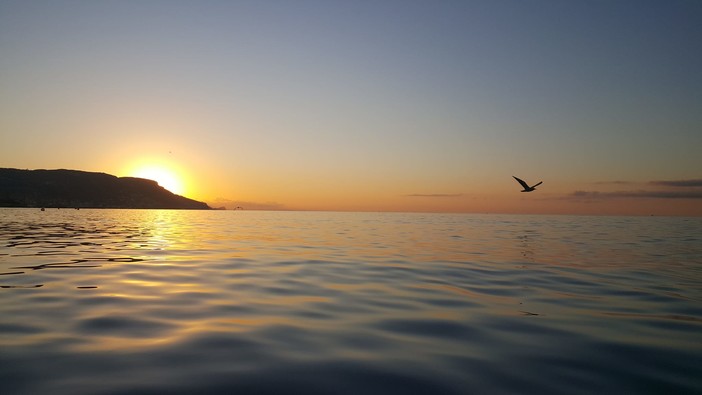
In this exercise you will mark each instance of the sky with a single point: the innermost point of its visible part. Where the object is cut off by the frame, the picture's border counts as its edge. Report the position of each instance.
(365, 105)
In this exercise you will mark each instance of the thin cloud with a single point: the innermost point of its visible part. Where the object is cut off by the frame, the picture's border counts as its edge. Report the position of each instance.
(619, 182)
(435, 195)
(667, 194)
(672, 189)
(679, 183)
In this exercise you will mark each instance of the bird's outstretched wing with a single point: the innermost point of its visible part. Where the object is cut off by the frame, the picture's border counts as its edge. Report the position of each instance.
(536, 185)
(523, 184)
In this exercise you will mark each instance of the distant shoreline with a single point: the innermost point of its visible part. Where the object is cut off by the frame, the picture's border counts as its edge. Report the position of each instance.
(71, 189)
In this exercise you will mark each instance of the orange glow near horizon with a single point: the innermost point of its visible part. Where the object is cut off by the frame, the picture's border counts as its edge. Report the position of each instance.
(165, 175)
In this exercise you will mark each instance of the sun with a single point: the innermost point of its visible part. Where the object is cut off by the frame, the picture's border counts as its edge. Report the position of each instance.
(163, 176)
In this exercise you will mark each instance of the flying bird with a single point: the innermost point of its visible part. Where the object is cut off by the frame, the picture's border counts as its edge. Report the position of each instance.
(526, 186)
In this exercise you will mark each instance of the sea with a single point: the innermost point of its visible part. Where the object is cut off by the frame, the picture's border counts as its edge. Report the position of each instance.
(274, 302)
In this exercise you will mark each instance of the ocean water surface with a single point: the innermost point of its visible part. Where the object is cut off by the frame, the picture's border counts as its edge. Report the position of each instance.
(238, 302)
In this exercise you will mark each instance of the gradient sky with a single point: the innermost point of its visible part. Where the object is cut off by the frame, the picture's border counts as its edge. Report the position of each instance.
(366, 105)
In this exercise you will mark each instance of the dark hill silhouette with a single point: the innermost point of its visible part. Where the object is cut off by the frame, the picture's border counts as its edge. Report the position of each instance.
(73, 188)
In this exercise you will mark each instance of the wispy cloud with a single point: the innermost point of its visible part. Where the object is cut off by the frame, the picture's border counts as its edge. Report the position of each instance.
(435, 195)
(665, 194)
(619, 182)
(679, 183)
(667, 189)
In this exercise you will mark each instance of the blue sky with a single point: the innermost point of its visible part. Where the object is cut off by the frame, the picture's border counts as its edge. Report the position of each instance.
(318, 103)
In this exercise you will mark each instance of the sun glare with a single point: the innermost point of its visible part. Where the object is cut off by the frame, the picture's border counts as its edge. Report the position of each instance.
(163, 176)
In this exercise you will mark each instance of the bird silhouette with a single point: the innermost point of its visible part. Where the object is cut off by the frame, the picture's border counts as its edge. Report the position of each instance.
(526, 186)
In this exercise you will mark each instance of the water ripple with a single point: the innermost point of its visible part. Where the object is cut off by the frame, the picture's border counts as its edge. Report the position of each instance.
(180, 302)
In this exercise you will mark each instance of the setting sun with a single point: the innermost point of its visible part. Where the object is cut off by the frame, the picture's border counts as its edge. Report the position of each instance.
(163, 176)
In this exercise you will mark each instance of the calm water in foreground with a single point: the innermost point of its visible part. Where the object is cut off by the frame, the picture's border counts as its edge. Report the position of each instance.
(193, 302)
